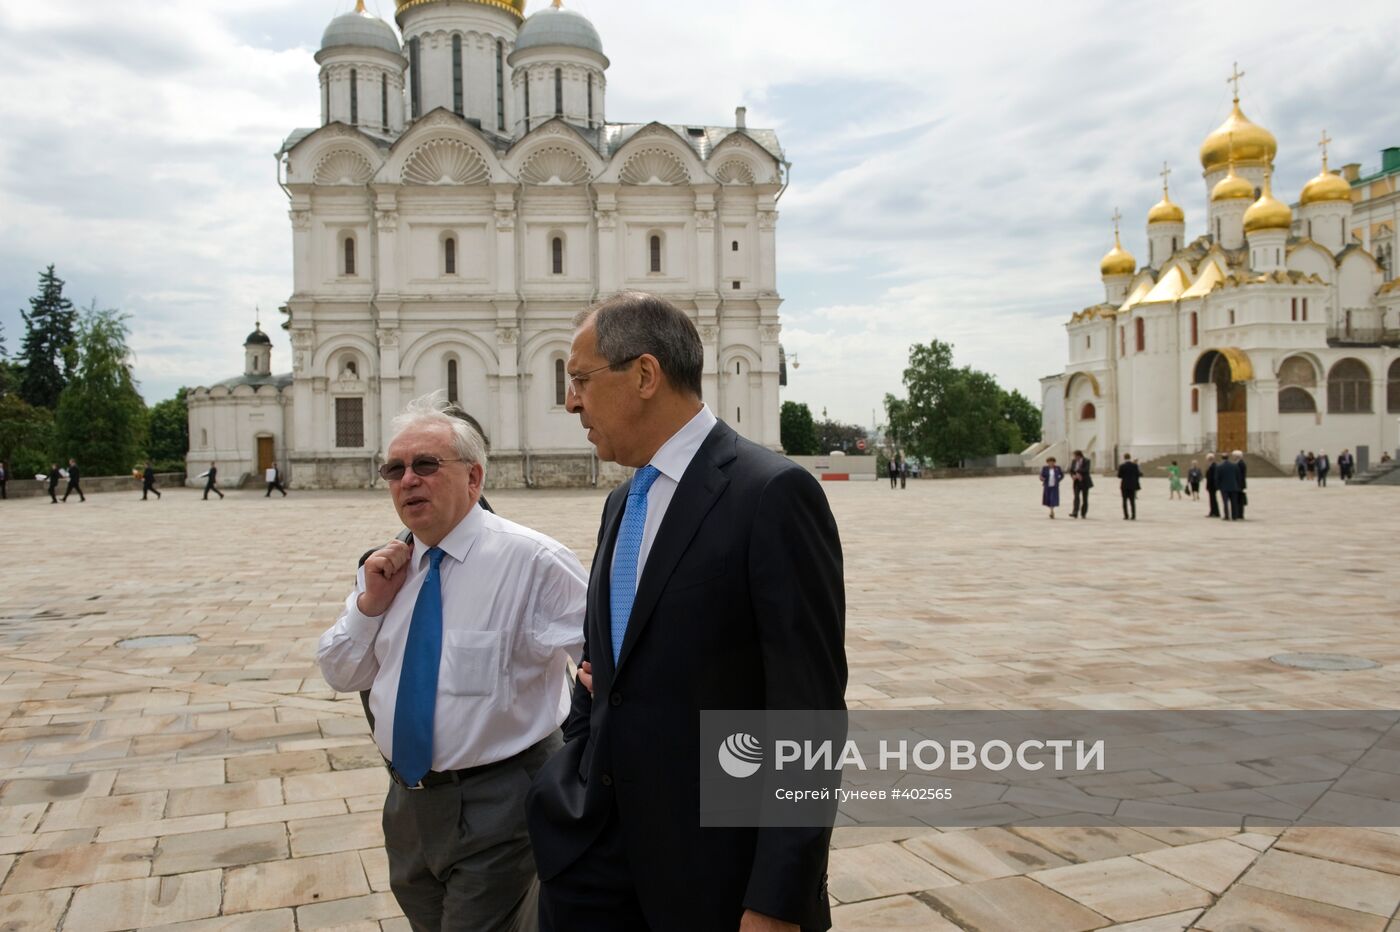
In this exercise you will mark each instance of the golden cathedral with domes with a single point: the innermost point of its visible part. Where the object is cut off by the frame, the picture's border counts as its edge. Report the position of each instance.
(1276, 329)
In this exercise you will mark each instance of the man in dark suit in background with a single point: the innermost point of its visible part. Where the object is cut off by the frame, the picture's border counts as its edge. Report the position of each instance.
(1082, 474)
(716, 584)
(1129, 482)
(148, 481)
(73, 477)
(1212, 484)
(1228, 478)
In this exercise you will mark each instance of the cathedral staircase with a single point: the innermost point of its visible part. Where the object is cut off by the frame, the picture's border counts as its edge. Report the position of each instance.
(1256, 466)
(1379, 474)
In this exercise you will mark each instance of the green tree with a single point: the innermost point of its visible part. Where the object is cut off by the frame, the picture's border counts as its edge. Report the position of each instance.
(834, 435)
(101, 419)
(47, 354)
(796, 430)
(26, 437)
(170, 433)
(1022, 413)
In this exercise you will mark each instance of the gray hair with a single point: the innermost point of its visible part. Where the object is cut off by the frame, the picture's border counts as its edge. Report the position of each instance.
(434, 408)
(632, 323)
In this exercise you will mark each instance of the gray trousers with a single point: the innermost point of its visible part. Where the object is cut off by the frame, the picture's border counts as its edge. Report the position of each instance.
(459, 854)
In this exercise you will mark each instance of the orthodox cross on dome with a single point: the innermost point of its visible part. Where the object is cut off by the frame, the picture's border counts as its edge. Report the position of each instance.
(1116, 217)
(1164, 173)
(360, 6)
(1234, 79)
(257, 317)
(1322, 144)
(559, 4)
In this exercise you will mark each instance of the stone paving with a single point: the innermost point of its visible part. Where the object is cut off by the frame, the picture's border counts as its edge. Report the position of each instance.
(221, 785)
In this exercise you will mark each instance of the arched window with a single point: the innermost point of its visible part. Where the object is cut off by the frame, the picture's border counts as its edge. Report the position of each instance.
(348, 255)
(558, 91)
(1297, 370)
(1392, 388)
(457, 74)
(354, 97)
(500, 84)
(590, 100)
(734, 246)
(1088, 412)
(655, 247)
(384, 101)
(1349, 388)
(1195, 401)
(1122, 341)
(1293, 400)
(451, 380)
(1195, 329)
(449, 256)
(415, 76)
(1140, 334)
(527, 101)
(560, 382)
(556, 255)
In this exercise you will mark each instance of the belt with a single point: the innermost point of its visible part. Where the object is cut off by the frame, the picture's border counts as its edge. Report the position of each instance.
(443, 777)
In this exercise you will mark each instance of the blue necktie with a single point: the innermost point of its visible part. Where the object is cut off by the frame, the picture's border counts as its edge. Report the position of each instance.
(418, 678)
(623, 588)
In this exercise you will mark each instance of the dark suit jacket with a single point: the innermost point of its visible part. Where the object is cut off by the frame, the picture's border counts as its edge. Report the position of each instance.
(73, 475)
(1212, 477)
(1129, 476)
(148, 475)
(1082, 474)
(1229, 477)
(741, 605)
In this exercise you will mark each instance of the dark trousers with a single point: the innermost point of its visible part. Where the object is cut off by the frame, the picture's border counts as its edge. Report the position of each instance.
(209, 487)
(894, 480)
(1130, 502)
(1302, 473)
(149, 487)
(459, 854)
(1234, 509)
(903, 478)
(1322, 477)
(278, 487)
(1214, 504)
(3, 494)
(1081, 502)
(53, 492)
(74, 487)
(596, 893)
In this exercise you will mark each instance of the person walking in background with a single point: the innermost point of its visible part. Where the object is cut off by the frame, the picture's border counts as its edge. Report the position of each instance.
(894, 472)
(1212, 485)
(148, 481)
(73, 477)
(1174, 474)
(1300, 463)
(1230, 478)
(903, 473)
(4, 478)
(1240, 468)
(53, 477)
(212, 483)
(1082, 477)
(1129, 482)
(1311, 463)
(1324, 466)
(274, 480)
(1347, 464)
(1050, 478)
(1193, 481)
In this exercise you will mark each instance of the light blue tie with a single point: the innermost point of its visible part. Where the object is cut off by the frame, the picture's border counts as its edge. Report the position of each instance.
(417, 696)
(623, 588)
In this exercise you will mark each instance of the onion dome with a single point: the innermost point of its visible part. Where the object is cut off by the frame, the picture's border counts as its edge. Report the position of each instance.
(1165, 211)
(257, 336)
(1251, 143)
(1326, 186)
(1117, 261)
(514, 7)
(1232, 188)
(1267, 213)
(555, 25)
(360, 29)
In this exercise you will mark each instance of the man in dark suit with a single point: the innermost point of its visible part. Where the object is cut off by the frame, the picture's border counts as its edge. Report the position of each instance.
(716, 584)
(148, 481)
(73, 478)
(1129, 482)
(1212, 484)
(1082, 475)
(1228, 478)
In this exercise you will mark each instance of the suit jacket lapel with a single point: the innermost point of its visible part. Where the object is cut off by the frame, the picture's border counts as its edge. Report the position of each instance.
(697, 492)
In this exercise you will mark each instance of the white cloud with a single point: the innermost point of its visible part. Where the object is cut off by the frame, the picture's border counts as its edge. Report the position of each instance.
(954, 165)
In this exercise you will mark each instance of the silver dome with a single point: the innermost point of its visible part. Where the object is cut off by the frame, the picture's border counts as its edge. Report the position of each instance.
(360, 30)
(557, 26)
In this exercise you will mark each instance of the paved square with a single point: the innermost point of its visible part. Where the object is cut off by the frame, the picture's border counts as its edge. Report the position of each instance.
(219, 784)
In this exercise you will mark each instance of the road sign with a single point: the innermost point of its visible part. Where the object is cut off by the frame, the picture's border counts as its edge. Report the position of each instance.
(860, 444)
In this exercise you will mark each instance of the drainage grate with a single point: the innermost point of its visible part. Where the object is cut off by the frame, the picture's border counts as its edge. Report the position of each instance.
(158, 640)
(1331, 662)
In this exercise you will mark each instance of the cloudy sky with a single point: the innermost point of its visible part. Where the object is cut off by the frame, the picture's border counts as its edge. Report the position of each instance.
(954, 165)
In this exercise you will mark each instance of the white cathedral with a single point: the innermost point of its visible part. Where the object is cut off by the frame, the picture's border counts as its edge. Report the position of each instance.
(1275, 331)
(462, 199)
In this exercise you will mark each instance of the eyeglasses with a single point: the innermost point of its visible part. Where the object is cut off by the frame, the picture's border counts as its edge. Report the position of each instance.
(422, 466)
(576, 382)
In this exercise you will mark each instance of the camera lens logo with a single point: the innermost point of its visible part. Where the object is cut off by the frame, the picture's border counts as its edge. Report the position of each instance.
(740, 755)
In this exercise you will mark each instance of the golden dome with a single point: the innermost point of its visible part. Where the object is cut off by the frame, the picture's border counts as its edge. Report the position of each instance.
(1326, 186)
(1232, 188)
(1164, 211)
(1252, 143)
(1117, 261)
(515, 7)
(1267, 213)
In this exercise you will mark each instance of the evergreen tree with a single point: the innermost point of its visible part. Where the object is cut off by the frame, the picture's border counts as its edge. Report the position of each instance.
(796, 430)
(101, 418)
(47, 354)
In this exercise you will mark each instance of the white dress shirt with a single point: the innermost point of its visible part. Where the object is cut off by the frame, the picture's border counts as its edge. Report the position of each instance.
(512, 614)
(671, 460)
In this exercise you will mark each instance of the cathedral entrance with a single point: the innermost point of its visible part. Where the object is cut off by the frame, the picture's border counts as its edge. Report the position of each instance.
(1228, 370)
(265, 454)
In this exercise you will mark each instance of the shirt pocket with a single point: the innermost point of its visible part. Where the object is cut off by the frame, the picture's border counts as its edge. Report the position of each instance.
(471, 663)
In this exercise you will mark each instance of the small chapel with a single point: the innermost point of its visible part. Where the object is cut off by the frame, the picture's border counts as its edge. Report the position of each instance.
(462, 197)
(1274, 329)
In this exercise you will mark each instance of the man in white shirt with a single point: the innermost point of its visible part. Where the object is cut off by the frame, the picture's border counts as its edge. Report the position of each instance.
(464, 639)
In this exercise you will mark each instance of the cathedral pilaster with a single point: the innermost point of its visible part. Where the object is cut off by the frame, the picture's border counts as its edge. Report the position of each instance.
(605, 218)
(509, 389)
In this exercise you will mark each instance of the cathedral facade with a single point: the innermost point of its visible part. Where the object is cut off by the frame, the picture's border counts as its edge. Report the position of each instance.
(462, 198)
(1274, 331)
